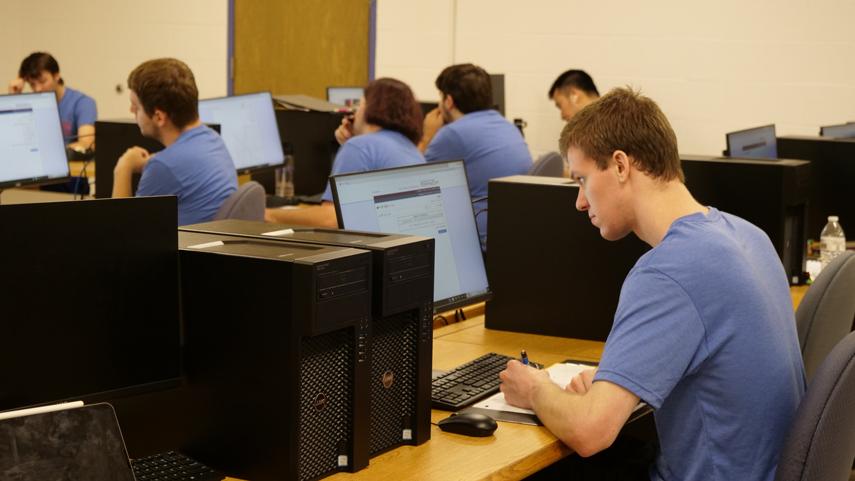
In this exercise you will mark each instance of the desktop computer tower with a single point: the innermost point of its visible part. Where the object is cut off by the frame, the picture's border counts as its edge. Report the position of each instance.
(401, 328)
(770, 193)
(112, 139)
(275, 356)
(550, 271)
(832, 168)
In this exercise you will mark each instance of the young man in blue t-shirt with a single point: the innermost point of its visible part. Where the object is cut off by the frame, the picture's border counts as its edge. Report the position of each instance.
(195, 166)
(77, 112)
(704, 330)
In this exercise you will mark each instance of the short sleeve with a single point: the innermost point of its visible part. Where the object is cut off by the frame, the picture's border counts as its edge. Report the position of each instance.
(157, 179)
(656, 340)
(445, 145)
(85, 111)
(350, 158)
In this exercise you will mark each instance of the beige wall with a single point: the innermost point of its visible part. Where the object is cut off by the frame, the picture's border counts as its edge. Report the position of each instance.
(98, 42)
(712, 66)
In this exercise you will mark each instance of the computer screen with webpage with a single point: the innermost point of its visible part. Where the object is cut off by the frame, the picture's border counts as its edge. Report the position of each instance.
(755, 143)
(841, 131)
(248, 127)
(31, 145)
(430, 200)
(347, 96)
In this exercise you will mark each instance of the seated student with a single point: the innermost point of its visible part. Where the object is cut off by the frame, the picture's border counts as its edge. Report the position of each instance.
(572, 91)
(77, 111)
(704, 330)
(465, 126)
(382, 134)
(195, 165)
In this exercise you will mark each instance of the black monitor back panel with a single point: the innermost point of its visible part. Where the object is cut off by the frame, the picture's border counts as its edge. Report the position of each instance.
(90, 298)
(550, 271)
(402, 320)
(771, 194)
(275, 357)
(832, 170)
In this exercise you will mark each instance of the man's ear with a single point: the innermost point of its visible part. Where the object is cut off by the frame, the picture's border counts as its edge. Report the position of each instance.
(621, 164)
(160, 117)
(448, 102)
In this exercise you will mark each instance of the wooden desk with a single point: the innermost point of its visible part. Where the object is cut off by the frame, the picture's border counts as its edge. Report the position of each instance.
(514, 451)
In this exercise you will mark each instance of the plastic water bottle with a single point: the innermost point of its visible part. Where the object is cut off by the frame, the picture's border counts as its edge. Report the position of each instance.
(832, 241)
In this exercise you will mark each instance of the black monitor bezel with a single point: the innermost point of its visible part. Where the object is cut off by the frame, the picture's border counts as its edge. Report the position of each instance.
(41, 180)
(256, 168)
(441, 305)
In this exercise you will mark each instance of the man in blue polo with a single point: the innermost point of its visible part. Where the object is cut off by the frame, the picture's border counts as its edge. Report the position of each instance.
(465, 126)
(195, 166)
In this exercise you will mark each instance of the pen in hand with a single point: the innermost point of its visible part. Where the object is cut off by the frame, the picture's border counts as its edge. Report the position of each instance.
(524, 357)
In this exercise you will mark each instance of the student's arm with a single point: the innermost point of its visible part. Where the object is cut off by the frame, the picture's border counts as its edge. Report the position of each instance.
(16, 86)
(588, 422)
(133, 161)
(85, 137)
(318, 215)
(432, 123)
(85, 112)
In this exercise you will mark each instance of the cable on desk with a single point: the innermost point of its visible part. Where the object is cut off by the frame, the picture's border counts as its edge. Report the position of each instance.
(440, 316)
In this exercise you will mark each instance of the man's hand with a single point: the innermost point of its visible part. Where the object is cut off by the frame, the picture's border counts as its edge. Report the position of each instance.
(16, 86)
(519, 383)
(432, 123)
(133, 160)
(344, 131)
(582, 382)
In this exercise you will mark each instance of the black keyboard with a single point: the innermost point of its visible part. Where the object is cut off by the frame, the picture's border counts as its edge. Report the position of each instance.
(172, 466)
(468, 383)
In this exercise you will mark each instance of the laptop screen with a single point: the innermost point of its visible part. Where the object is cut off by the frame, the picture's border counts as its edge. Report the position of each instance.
(248, 128)
(841, 131)
(756, 143)
(429, 200)
(82, 443)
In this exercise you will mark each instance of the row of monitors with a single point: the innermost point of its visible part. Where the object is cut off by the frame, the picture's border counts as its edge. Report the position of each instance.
(761, 142)
(32, 148)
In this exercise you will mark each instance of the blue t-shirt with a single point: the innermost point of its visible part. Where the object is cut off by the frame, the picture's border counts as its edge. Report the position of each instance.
(378, 150)
(198, 169)
(75, 109)
(705, 333)
(490, 147)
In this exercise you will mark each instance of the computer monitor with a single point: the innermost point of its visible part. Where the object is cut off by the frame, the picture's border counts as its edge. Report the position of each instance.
(497, 86)
(840, 131)
(90, 299)
(429, 200)
(755, 143)
(32, 150)
(248, 128)
(347, 96)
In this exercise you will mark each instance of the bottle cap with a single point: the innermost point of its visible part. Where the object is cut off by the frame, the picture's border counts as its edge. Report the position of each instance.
(833, 218)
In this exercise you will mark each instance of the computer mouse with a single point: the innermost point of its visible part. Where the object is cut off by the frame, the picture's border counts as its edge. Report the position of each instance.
(469, 424)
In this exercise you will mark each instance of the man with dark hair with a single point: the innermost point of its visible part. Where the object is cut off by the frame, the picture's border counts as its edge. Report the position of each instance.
(195, 165)
(572, 91)
(465, 126)
(704, 331)
(382, 134)
(77, 111)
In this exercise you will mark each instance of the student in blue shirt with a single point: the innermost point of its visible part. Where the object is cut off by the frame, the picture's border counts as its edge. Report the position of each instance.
(77, 111)
(195, 166)
(383, 133)
(465, 126)
(572, 91)
(704, 330)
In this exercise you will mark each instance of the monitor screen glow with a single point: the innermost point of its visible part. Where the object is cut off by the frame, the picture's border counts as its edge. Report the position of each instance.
(31, 144)
(248, 128)
(347, 96)
(429, 200)
(756, 143)
(841, 131)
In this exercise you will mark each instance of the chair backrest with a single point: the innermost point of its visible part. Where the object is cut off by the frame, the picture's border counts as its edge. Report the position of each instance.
(246, 203)
(821, 441)
(827, 311)
(548, 165)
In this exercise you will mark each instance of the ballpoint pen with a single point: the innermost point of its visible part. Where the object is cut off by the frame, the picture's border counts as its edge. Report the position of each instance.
(524, 357)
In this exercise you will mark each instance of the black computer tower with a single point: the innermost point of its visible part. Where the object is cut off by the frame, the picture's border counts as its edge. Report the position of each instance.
(275, 337)
(401, 332)
(112, 139)
(832, 168)
(310, 136)
(550, 271)
(770, 193)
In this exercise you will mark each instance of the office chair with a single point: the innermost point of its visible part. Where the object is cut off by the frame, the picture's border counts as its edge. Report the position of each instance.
(548, 165)
(821, 441)
(826, 313)
(246, 203)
